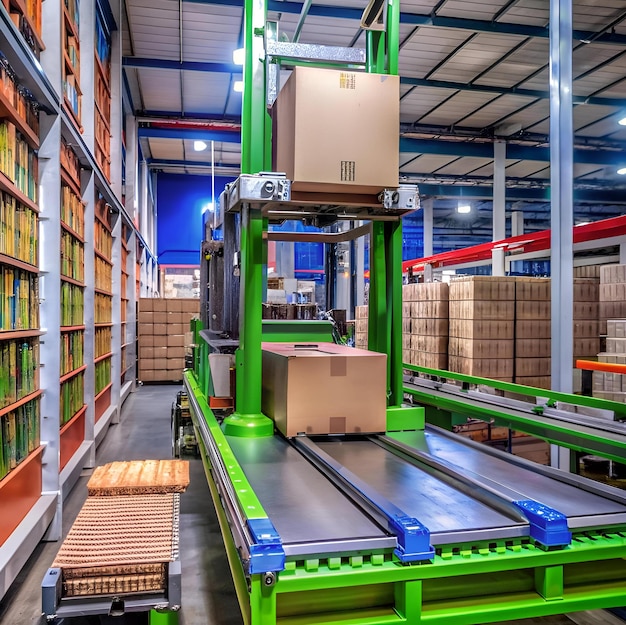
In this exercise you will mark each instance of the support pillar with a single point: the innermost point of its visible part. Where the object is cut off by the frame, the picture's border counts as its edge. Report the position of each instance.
(427, 215)
(562, 203)
(499, 205)
(517, 229)
(255, 157)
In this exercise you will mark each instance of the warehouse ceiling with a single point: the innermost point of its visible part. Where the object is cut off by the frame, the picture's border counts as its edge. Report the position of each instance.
(471, 73)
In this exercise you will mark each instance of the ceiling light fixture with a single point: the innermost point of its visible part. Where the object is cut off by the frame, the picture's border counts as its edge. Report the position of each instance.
(239, 56)
(622, 171)
(238, 86)
(199, 145)
(622, 122)
(463, 208)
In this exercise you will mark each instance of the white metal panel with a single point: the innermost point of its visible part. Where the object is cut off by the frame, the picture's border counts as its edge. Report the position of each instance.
(420, 101)
(166, 149)
(424, 163)
(603, 127)
(160, 89)
(457, 107)
(205, 92)
(515, 68)
(476, 56)
(465, 166)
(523, 169)
(594, 16)
(530, 12)
(487, 170)
(529, 116)
(476, 10)
(496, 110)
(428, 47)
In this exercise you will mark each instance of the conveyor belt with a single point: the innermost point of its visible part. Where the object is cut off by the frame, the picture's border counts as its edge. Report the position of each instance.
(311, 515)
(460, 491)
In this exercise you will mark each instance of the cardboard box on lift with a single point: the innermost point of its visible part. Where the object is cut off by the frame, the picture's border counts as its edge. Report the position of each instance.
(337, 131)
(324, 388)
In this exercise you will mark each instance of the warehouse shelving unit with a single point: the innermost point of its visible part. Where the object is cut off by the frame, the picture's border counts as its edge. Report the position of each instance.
(79, 241)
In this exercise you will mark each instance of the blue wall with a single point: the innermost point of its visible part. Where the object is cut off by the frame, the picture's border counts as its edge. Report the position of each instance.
(180, 201)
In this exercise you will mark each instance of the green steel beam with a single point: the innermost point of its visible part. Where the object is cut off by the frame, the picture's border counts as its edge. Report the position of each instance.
(297, 331)
(248, 419)
(553, 396)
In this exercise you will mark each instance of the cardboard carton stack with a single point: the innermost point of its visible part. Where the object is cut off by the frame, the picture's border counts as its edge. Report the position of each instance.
(360, 327)
(586, 318)
(425, 329)
(612, 294)
(482, 313)
(532, 332)
(612, 385)
(587, 271)
(163, 335)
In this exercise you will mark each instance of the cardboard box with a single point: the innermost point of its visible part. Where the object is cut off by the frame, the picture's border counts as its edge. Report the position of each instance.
(432, 310)
(191, 306)
(145, 329)
(145, 304)
(324, 388)
(430, 327)
(360, 312)
(532, 289)
(431, 361)
(612, 273)
(533, 329)
(616, 328)
(586, 289)
(175, 340)
(159, 304)
(533, 348)
(478, 330)
(532, 367)
(159, 318)
(174, 305)
(145, 317)
(160, 340)
(486, 288)
(495, 368)
(146, 340)
(145, 353)
(536, 381)
(176, 352)
(431, 344)
(532, 449)
(177, 328)
(532, 310)
(161, 354)
(427, 291)
(160, 329)
(147, 364)
(325, 124)
(147, 375)
(468, 348)
(482, 309)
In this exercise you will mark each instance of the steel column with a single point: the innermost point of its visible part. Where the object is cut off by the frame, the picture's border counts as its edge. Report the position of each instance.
(427, 216)
(255, 150)
(561, 174)
(499, 205)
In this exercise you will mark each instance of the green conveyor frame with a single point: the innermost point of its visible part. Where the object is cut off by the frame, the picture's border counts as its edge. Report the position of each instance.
(464, 583)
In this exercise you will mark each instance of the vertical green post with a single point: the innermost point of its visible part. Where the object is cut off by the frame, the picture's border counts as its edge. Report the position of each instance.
(385, 296)
(262, 602)
(255, 135)
(165, 617)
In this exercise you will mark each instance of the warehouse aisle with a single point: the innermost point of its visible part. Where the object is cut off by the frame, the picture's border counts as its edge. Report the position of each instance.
(144, 433)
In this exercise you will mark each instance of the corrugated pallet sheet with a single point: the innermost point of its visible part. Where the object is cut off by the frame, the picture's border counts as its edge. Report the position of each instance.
(120, 545)
(139, 477)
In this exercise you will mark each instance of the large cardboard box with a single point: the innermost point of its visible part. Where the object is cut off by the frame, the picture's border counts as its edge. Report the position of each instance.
(146, 340)
(145, 304)
(160, 340)
(159, 305)
(325, 124)
(487, 288)
(324, 388)
(145, 317)
(175, 340)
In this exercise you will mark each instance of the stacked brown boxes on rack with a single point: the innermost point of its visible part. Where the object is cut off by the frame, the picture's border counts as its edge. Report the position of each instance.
(163, 334)
(612, 385)
(532, 332)
(482, 313)
(360, 327)
(586, 318)
(425, 329)
(612, 294)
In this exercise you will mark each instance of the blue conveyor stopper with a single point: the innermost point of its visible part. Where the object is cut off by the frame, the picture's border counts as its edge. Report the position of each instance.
(413, 539)
(547, 525)
(267, 553)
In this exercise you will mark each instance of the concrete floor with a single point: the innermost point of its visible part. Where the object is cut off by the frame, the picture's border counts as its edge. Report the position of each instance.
(208, 592)
(144, 433)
